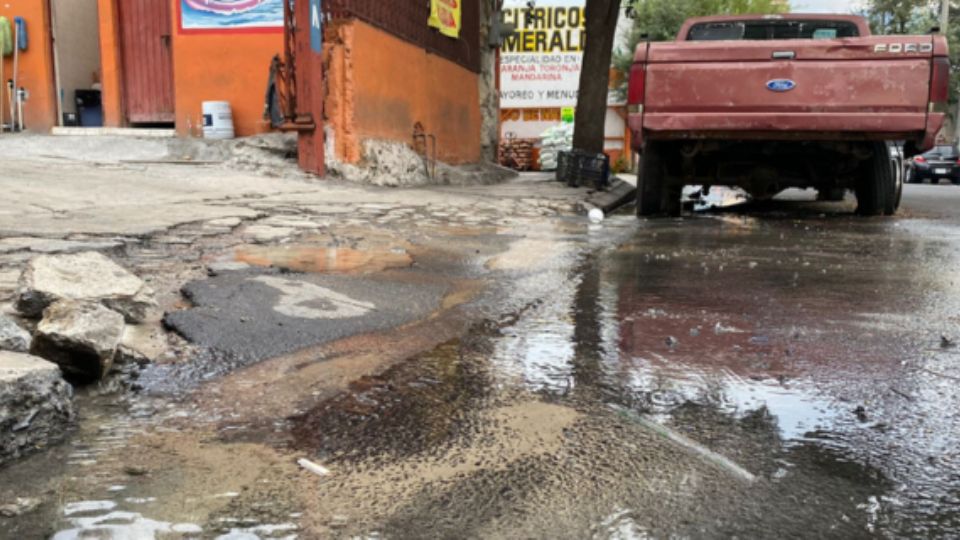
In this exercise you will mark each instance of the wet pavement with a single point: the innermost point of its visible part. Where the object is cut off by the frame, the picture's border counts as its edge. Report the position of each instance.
(775, 370)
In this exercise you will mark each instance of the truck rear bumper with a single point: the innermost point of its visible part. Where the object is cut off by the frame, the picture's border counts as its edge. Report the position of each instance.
(799, 126)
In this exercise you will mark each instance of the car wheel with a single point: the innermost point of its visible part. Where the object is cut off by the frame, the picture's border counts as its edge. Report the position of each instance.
(909, 176)
(654, 195)
(876, 187)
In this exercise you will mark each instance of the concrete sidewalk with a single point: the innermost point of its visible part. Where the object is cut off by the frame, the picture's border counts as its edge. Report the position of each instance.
(65, 195)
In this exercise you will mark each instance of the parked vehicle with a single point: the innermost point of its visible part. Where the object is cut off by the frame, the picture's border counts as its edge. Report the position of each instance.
(772, 102)
(941, 163)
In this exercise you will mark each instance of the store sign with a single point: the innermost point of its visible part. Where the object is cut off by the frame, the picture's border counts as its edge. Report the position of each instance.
(540, 62)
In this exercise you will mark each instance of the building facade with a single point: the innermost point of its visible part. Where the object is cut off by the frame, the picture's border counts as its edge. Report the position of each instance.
(152, 63)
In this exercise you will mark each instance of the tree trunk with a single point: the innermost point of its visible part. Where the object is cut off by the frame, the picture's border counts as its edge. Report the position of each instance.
(601, 27)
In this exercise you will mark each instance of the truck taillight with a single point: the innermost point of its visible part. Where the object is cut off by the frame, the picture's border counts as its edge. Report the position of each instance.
(638, 81)
(940, 80)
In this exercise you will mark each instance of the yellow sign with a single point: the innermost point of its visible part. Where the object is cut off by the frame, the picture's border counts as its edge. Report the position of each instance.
(445, 17)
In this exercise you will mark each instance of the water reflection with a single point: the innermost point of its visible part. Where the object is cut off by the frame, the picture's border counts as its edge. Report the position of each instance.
(740, 342)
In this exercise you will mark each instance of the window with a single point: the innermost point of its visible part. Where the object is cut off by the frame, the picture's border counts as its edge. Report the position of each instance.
(771, 29)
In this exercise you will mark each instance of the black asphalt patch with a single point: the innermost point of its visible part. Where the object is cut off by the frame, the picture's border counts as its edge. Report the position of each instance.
(249, 316)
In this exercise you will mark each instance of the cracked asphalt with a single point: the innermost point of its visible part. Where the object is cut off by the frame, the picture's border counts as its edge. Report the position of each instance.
(485, 363)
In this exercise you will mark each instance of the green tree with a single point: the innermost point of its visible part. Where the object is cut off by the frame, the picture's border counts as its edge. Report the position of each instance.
(900, 16)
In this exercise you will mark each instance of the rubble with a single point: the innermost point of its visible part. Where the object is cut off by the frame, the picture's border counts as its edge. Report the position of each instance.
(53, 245)
(35, 404)
(12, 337)
(264, 234)
(394, 164)
(19, 507)
(83, 276)
(142, 344)
(81, 336)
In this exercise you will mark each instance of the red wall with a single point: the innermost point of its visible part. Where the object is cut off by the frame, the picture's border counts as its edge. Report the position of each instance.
(231, 66)
(379, 86)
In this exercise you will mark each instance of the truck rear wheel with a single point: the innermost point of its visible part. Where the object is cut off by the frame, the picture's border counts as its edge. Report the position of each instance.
(655, 196)
(876, 186)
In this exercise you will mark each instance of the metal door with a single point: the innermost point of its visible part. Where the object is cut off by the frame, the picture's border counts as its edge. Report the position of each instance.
(145, 28)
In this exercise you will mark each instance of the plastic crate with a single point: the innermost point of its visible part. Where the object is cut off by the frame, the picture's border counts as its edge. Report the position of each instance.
(578, 168)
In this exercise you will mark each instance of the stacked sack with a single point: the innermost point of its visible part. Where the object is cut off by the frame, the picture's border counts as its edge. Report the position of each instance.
(555, 140)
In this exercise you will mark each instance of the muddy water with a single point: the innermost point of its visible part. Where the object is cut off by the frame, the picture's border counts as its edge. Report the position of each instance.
(762, 376)
(795, 368)
(317, 259)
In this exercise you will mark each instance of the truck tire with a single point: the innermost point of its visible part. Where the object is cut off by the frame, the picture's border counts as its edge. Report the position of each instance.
(655, 196)
(876, 187)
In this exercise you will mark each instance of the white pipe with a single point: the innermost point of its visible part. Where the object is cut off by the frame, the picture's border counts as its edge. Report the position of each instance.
(20, 93)
(56, 62)
(14, 98)
(3, 84)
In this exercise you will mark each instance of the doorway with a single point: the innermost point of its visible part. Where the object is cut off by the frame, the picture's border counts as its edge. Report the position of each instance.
(147, 61)
(77, 65)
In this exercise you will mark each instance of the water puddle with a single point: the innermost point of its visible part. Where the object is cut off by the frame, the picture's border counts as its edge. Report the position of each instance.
(317, 259)
(416, 406)
(105, 520)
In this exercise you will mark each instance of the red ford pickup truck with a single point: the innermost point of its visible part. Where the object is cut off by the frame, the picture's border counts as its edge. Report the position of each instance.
(772, 102)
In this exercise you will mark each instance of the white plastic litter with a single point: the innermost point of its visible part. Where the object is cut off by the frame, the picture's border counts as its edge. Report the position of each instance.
(318, 470)
(596, 216)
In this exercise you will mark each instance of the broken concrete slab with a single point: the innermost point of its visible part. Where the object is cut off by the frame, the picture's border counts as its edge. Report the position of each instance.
(266, 233)
(225, 223)
(36, 404)
(83, 276)
(8, 281)
(143, 343)
(617, 194)
(81, 336)
(12, 336)
(54, 245)
(294, 222)
(219, 267)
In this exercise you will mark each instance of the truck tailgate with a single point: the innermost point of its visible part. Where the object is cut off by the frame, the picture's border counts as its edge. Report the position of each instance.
(798, 85)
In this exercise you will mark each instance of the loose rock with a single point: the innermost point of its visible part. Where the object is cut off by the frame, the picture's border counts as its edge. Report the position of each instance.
(83, 276)
(12, 337)
(35, 404)
(82, 337)
(23, 505)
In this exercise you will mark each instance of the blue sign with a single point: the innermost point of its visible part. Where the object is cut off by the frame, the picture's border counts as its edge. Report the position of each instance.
(781, 85)
(316, 26)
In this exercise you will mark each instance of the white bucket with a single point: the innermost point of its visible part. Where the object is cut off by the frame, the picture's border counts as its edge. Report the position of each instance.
(217, 120)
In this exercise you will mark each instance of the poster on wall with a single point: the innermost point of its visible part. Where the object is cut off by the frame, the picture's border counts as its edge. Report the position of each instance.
(445, 17)
(540, 62)
(231, 15)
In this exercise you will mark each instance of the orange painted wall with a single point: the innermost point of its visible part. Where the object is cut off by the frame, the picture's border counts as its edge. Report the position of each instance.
(36, 65)
(379, 86)
(110, 64)
(222, 67)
